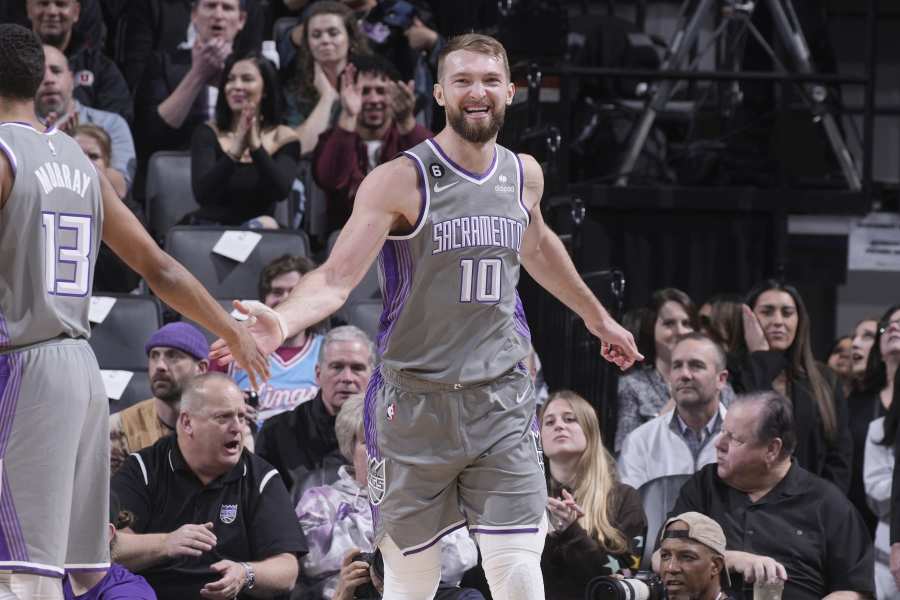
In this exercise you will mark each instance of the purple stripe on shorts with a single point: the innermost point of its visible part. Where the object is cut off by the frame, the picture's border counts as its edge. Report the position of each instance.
(503, 531)
(370, 430)
(4, 332)
(480, 177)
(435, 540)
(520, 320)
(12, 542)
(30, 569)
(13, 538)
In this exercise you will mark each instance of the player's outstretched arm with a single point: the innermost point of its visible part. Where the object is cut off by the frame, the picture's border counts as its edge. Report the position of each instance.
(387, 199)
(546, 260)
(173, 283)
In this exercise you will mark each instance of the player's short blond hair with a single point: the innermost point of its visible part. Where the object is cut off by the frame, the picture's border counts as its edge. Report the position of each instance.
(473, 42)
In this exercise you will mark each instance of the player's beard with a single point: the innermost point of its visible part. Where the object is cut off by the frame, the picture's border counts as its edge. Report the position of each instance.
(476, 133)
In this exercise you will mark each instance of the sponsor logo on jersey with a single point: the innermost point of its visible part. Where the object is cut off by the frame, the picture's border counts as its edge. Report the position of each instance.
(228, 513)
(376, 478)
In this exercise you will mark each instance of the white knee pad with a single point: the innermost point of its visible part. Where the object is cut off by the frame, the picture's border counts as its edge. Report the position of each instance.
(512, 563)
(414, 577)
(24, 586)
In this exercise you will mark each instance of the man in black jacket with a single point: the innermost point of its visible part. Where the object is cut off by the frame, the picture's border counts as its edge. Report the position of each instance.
(302, 440)
(179, 88)
(98, 81)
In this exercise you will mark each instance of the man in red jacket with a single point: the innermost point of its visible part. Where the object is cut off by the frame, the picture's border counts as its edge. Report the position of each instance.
(375, 124)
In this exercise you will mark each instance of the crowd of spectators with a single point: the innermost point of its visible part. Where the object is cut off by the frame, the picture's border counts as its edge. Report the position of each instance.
(226, 492)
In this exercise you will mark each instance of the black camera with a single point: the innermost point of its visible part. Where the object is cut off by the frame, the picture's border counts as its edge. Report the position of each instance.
(367, 591)
(643, 586)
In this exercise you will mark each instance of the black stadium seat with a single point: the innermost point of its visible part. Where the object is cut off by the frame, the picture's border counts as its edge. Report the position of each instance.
(365, 314)
(119, 341)
(138, 389)
(169, 193)
(223, 277)
(368, 288)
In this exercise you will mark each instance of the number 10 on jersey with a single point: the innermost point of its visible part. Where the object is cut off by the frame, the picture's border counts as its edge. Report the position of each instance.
(483, 276)
(58, 254)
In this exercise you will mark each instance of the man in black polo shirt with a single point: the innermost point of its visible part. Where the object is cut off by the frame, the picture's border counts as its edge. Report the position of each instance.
(779, 519)
(211, 519)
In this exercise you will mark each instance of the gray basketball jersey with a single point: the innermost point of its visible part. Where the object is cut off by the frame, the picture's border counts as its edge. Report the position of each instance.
(49, 237)
(451, 310)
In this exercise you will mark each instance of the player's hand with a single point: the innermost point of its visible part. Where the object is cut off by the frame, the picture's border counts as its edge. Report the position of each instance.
(755, 567)
(353, 574)
(563, 511)
(227, 587)
(754, 336)
(262, 323)
(190, 540)
(249, 355)
(616, 343)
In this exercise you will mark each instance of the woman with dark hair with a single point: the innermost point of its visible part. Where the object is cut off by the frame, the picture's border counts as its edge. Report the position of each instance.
(243, 162)
(872, 399)
(779, 357)
(326, 39)
(597, 523)
(878, 473)
(644, 391)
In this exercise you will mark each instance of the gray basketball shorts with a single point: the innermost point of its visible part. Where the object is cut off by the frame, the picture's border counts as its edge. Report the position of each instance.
(54, 460)
(441, 458)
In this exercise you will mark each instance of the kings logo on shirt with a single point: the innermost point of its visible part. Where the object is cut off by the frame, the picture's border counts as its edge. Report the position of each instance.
(228, 513)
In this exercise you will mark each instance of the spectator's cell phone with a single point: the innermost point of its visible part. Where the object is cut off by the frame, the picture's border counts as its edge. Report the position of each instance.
(251, 398)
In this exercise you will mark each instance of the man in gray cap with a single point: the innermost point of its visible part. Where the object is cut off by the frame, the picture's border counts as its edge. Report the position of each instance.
(176, 352)
(692, 558)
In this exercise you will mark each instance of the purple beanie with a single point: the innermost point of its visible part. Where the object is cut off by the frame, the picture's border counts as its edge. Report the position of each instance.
(182, 336)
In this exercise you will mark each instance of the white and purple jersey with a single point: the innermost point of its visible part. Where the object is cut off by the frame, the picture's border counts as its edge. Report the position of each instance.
(50, 233)
(451, 310)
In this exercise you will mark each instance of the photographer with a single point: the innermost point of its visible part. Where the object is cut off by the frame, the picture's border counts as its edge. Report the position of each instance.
(692, 555)
(337, 522)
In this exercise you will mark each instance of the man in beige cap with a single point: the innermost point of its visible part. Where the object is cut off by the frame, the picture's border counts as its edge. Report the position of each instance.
(692, 558)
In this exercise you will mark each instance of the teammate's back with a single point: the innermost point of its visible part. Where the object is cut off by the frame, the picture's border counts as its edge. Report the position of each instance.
(50, 232)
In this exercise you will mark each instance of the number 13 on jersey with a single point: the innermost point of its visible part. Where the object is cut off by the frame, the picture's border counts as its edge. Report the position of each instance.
(483, 276)
(67, 265)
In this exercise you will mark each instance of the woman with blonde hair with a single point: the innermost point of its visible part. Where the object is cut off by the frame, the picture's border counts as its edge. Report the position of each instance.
(597, 524)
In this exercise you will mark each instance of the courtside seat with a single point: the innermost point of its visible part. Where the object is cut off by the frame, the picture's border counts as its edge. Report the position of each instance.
(119, 341)
(223, 277)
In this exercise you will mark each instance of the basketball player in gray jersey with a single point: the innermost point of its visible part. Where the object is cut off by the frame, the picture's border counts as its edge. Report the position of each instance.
(54, 414)
(449, 422)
